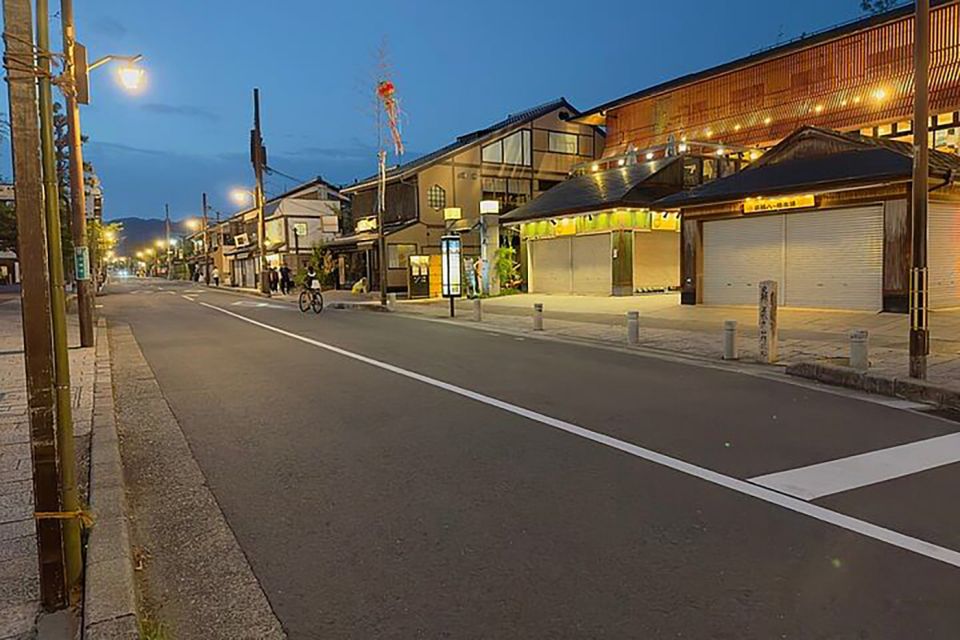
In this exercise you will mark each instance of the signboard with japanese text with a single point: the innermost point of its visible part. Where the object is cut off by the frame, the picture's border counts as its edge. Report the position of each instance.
(81, 263)
(450, 280)
(760, 205)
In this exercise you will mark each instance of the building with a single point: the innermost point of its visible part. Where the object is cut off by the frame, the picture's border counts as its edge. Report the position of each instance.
(826, 215)
(855, 77)
(509, 162)
(295, 222)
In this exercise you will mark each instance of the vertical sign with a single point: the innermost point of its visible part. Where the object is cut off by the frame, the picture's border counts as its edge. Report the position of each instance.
(768, 321)
(81, 262)
(450, 284)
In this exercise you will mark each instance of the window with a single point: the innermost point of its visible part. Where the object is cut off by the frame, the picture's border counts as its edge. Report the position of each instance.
(514, 149)
(398, 255)
(544, 185)
(436, 197)
(510, 193)
(562, 142)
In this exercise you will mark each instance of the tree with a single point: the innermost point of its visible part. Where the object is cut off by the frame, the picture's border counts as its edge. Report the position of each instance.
(874, 7)
(8, 228)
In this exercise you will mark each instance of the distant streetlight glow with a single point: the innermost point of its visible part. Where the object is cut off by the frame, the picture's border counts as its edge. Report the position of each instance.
(192, 223)
(160, 244)
(240, 196)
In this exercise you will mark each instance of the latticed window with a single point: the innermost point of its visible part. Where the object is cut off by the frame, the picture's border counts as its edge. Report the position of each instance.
(437, 197)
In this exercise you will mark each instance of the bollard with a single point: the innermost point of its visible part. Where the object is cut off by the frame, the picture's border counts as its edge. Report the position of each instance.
(391, 300)
(538, 316)
(477, 310)
(730, 348)
(859, 353)
(633, 327)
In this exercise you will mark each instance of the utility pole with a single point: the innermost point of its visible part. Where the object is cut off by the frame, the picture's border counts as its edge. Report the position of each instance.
(78, 220)
(206, 246)
(166, 218)
(381, 210)
(919, 330)
(19, 62)
(70, 504)
(258, 156)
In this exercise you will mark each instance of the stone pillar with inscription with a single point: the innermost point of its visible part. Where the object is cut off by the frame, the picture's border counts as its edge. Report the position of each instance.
(768, 321)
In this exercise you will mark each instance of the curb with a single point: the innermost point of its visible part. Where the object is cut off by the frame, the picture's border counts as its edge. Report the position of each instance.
(110, 610)
(877, 383)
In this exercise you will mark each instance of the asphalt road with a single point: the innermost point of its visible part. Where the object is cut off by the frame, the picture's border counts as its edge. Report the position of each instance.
(380, 499)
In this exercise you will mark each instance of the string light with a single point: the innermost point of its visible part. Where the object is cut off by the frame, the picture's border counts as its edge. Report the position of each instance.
(649, 155)
(767, 120)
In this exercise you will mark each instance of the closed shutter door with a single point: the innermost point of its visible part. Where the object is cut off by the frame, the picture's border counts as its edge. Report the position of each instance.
(739, 254)
(550, 266)
(592, 265)
(834, 259)
(943, 249)
(656, 259)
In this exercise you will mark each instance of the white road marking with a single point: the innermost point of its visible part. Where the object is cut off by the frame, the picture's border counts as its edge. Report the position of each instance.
(190, 298)
(259, 305)
(843, 521)
(834, 476)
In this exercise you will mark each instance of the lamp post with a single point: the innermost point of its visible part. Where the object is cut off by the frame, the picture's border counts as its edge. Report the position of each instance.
(74, 85)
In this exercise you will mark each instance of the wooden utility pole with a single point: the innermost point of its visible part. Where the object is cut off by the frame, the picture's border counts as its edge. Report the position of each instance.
(166, 219)
(919, 330)
(69, 500)
(78, 206)
(19, 62)
(206, 245)
(258, 156)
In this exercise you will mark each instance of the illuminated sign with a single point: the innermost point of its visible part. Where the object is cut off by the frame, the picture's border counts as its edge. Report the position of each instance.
(450, 266)
(760, 205)
(489, 206)
(366, 224)
(452, 213)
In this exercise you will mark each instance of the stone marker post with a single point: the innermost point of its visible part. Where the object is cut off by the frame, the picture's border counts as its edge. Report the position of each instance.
(538, 316)
(768, 321)
(859, 352)
(633, 327)
(477, 310)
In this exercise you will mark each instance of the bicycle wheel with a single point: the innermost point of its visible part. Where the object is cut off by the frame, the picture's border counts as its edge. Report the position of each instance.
(317, 302)
(304, 301)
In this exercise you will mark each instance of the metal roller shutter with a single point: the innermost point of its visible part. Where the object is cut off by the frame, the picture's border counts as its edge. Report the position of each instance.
(656, 259)
(550, 265)
(943, 250)
(592, 265)
(737, 255)
(834, 259)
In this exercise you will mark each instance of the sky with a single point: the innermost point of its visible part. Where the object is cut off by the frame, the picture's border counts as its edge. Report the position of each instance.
(457, 67)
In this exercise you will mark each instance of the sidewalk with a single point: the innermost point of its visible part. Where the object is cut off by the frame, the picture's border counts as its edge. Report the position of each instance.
(697, 330)
(19, 579)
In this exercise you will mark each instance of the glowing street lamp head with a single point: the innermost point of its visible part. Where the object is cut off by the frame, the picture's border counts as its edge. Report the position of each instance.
(173, 242)
(240, 196)
(131, 76)
(192, 223)
(160, 243)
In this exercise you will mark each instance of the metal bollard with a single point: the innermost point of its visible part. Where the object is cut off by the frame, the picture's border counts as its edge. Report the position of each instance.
(633, 327)
(730, 348)
(391, 300)
(538, 316)
(477, 310)
(859, 352)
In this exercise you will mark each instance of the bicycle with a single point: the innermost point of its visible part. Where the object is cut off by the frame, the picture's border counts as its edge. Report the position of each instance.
(311, 299)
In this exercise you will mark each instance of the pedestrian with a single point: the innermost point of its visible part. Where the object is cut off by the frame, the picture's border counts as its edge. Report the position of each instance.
(274, 279)
(285, 280)
(216, 277)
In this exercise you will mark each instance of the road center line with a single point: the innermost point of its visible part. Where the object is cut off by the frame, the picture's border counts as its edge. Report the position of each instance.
(843, 474)
(862, 527)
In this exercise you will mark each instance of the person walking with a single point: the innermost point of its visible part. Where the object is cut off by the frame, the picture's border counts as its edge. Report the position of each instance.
(216, 277)
(274, 279)
(285, 280)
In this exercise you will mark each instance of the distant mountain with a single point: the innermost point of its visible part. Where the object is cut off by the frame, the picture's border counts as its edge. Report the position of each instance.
(139, 233)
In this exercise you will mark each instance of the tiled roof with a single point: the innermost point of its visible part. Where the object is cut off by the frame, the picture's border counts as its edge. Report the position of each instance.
(622, 186)
(854, 160)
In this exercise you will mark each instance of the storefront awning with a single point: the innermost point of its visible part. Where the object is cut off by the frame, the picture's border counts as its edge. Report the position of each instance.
(367, 236)
(635, 185)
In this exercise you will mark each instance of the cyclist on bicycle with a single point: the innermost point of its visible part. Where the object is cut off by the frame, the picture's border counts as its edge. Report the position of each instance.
(312, 280)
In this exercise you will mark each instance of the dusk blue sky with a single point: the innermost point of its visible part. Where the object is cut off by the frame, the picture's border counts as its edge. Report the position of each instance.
(457, 66)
